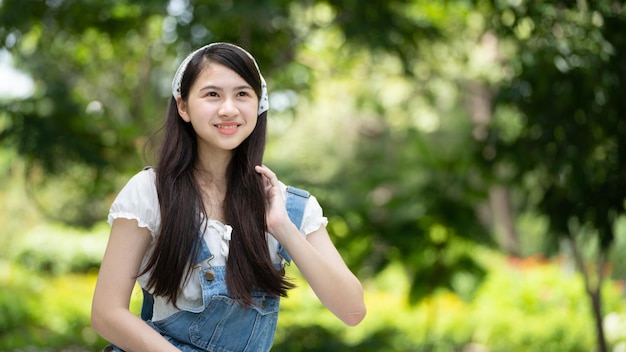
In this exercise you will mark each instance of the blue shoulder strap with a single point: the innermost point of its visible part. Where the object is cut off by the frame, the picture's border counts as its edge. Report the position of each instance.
(147, 305)
(295, 204)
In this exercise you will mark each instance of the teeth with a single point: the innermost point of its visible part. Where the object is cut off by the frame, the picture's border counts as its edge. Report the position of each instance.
(229, 126)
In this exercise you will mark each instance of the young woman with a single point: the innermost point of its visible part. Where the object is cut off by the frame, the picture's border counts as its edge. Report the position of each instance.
(202, 231)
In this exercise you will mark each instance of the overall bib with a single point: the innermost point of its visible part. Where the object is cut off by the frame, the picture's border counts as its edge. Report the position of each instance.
(221, 324)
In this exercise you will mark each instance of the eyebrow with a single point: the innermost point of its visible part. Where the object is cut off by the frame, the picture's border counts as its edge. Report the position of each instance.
(221, 89)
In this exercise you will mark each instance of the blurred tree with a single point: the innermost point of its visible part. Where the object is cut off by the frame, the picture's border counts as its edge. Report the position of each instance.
(99, 87)
(399, 172)
(417, 205)
(101, 69)
(95, 92)
(569, 147)
(411, 186)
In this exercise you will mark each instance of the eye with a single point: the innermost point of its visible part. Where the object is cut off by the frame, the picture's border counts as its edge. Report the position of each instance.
(243, 93)
(212, 94)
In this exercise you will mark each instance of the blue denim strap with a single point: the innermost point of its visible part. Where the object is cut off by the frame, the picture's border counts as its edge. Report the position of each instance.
(295, 204)
(147, 305)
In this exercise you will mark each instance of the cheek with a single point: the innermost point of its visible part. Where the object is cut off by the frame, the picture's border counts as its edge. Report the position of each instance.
(190, 111)
(253, 121)
(196, 112)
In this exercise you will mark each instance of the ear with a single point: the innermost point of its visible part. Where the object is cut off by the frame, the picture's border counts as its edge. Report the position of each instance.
(182, 109)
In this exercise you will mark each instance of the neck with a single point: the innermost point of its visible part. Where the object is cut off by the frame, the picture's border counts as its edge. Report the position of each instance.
(212, 168)
(213, 187)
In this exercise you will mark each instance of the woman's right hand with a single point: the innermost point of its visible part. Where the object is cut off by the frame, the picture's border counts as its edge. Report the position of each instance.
(276, 217)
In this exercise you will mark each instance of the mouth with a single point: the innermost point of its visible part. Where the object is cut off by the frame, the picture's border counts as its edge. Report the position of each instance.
(227, 128)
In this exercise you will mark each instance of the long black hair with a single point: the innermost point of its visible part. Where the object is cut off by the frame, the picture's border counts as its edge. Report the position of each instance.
(248, 266)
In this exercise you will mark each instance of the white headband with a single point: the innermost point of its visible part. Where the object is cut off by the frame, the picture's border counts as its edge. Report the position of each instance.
(264, 103)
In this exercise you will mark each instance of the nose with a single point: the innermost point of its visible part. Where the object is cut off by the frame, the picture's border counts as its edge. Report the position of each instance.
(228, 108)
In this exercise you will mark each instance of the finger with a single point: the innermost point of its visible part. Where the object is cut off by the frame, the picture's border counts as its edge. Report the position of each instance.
(265, 171)
(261, 170)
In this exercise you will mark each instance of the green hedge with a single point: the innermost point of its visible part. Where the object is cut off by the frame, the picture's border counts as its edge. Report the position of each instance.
(523, 305)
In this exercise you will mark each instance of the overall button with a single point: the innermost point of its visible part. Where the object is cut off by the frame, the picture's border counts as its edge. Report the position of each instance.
(209, 275)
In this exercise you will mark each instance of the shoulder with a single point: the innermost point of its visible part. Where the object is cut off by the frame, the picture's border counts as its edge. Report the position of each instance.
(145, 177)
(142, 183)
(138, 200)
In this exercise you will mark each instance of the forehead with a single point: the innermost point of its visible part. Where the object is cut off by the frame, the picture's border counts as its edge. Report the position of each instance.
(215, 73)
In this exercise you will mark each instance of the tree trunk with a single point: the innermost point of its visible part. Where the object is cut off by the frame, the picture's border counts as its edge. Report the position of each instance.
(502, 222)
(500, 212)
(596, 303)
(593, 288)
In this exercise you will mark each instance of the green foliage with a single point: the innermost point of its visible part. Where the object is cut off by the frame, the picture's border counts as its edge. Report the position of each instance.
(15, 311)
(392, 152)
(56, 249)
(566, 83)
(99, 86)
(73, 60)
(522, 305)
(44, 311)
(547, 295)
(568, 86)
(89, 109)
(399, 180)
(389, 26)
(422, 218)
(85, 118)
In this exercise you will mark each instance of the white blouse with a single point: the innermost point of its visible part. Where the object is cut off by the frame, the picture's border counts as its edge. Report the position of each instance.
(138, 200)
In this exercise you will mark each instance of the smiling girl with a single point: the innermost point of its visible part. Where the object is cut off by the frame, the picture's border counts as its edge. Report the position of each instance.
(204, 232)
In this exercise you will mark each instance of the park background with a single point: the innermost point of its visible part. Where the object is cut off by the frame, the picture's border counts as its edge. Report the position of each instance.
(469, 155)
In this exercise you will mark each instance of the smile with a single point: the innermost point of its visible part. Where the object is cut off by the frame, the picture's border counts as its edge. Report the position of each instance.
(227, 129)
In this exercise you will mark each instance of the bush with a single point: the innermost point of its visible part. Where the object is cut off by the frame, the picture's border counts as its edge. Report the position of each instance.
(522, 305)
(44, 311)
(16, 307)
(57, 249)
(48, 312)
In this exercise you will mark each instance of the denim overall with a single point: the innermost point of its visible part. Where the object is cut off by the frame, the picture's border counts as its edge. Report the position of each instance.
(222, 325)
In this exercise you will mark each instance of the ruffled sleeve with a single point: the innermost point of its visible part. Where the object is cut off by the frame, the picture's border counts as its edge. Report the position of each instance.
(138, 200)
(313, 216)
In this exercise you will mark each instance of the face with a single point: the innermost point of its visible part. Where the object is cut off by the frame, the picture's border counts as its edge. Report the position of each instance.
(222, 108)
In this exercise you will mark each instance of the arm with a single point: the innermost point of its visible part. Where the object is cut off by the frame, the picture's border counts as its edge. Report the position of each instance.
(317, 258)
(110, 316)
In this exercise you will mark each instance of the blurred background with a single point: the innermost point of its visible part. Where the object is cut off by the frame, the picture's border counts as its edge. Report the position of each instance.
(469, 155)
